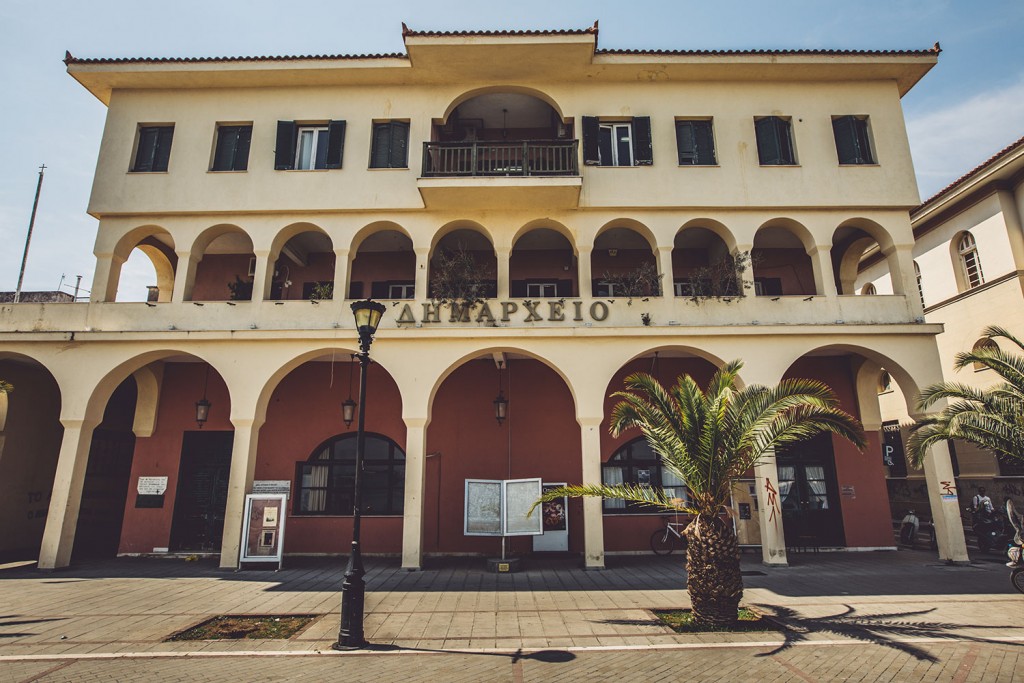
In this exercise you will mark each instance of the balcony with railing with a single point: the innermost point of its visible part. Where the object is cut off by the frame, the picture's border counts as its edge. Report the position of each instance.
(528, 158)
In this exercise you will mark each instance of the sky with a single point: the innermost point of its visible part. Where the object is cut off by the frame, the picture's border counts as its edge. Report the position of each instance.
(967, 108)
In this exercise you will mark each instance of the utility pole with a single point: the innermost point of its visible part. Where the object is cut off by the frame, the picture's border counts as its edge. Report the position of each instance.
(78, 283)
(28, 238)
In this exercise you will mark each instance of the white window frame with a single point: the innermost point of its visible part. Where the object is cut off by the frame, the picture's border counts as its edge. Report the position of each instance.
(920, 287)
(315, 130)
(967, 247)
(612, 126)
(542, 290)
(402, 291)
(610, 286)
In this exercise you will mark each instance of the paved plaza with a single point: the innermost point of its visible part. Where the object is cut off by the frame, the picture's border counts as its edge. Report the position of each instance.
(892, 616)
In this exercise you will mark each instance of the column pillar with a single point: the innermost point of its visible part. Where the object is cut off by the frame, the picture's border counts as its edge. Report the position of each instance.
(503, 254)
(824, 275)
(264, 274)
(773, 538)
(945, 505)
(340, 274)
(901, 272)
(666, 270)
(243, 468)
(422, 272)
(583, 271)
(62, 517)
(185, 276)
(106, 277)
(1014, 229)
(415, 469)
(593, 516)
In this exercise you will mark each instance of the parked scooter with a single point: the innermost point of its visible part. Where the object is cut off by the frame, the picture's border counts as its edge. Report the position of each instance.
(1016, 550)
(991, 529)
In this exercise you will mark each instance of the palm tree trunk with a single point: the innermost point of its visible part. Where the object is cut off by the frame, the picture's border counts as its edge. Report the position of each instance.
(713, 575)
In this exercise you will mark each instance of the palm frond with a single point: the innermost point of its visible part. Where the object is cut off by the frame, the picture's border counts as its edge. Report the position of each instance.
(643, 495)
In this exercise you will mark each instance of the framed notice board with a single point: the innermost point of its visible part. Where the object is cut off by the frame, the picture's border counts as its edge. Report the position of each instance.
(263, 532)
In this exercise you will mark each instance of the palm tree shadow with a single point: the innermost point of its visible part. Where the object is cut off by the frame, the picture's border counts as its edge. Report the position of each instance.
(888, 630)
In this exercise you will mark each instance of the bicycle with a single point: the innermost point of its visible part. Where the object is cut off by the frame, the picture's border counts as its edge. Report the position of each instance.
(669, 538)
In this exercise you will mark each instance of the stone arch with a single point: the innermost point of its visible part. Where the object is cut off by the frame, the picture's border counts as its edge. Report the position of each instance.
(697, 248)
(233, 259)
(781, 261)
(621, 247)
(382, 262)
(157, 244)
(543, 262)
(629, 224)
(851, 241)
(493, 89)
(371, 229)
(301, 258)
(717, 227)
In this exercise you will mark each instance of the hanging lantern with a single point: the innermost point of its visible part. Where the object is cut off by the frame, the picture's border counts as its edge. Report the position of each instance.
(500, 403)
(203, 405)
(348, 406)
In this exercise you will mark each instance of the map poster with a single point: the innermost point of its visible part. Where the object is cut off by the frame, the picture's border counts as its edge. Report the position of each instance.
(520, 495)
(483, 507)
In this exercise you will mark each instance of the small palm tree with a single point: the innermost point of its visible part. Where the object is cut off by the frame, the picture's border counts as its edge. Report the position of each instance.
(709, 440)
(6, 387)
(992, 418)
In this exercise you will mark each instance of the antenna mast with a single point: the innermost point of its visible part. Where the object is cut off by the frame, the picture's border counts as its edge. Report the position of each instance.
(28, 238)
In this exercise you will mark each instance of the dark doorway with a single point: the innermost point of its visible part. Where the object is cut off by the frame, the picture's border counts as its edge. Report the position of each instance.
(104, 494)
(202, 491)
(810, 495)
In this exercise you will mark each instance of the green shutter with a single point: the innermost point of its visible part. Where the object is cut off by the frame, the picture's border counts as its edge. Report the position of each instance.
(241, 158)
(860, 127)
(227, 141)
(335, 144)
(591, 131)
(768, 152)
(163, 148)
(846, 141)
(643, 148)
(705, 141)
(145, 150)
(284, 155)
(686, 143)
(399, 144)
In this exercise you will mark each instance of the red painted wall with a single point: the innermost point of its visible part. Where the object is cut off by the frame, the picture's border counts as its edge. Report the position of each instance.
(540, 438)
(792, 266)
(549, 264)
(159, 455)
(381, 266)
(305, 411)
(319, 268)
(214, 273)
(866, 517)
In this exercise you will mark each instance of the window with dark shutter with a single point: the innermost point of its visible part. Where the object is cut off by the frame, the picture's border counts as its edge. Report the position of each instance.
(335, 144)
(852, 143)
(284, 155)
(695, 143)
(643, 147)
(390, 147)
(591, 133)
(774, 141)
(355, 290)
(232, 152)
(154, 149)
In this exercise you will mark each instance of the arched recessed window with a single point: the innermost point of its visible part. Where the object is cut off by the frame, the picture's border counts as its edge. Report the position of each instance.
(884, 382)
(970, 262)
(325, 483)
(920, 289)
(868, 290)
(983, 345)
(636, 463)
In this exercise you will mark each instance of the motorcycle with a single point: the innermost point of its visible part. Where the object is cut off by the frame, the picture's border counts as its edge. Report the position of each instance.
(991, 529)
(1016, 550)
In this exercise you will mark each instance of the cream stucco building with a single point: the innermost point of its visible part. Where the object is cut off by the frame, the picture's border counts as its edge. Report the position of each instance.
(256, 185)
(968, 260)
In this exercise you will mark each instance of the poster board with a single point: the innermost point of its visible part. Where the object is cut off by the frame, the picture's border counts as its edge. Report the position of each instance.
(555, 523)
(263, 531)
(495, 507)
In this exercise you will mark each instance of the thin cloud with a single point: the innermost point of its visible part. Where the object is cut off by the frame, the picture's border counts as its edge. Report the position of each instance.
(950, 141)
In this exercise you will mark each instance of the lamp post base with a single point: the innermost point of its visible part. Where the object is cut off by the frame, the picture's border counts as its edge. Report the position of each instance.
(353, 592)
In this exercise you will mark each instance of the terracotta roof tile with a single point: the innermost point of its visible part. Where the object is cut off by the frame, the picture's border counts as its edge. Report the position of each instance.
(970, 174)
(406, 31)
(71, 59)
(816, 52)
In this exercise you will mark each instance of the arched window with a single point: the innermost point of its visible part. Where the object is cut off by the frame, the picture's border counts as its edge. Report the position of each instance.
(983, 345)
(868, 290)
(636, 463)
(970, 262)
(884, 382)
(325, 483)
(920, 289)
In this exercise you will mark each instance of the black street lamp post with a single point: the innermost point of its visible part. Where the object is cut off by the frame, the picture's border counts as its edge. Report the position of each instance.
(353, 588)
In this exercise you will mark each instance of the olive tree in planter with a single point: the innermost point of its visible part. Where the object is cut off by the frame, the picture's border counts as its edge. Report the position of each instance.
(458, 280)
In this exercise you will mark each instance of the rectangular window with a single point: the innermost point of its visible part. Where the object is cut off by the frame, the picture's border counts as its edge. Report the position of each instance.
(402, 291)
(617, 143)
(852, 142)
(542, 290)
(232, 151)
(308, 147)
(695, 142)
(604, 288)
(774, 141)
(153, 150)
(390, 148)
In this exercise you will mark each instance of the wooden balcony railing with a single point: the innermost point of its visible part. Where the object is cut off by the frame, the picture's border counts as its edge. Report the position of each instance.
(526, 158)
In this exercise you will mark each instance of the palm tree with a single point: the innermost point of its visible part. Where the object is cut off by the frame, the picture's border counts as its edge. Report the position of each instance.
(992, 418)
(709, 440)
